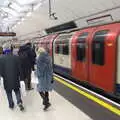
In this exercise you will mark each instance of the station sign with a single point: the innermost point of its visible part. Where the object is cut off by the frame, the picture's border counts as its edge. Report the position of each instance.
(100, 20)
(7, 34)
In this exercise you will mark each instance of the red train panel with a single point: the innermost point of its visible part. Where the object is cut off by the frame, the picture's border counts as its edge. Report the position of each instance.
(46, 42)
(94, 56)
(80, 54)
(102, 58)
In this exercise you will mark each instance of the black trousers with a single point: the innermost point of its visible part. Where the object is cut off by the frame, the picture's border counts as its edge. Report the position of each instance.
(10, 97)
(45, 97)
(28, 80)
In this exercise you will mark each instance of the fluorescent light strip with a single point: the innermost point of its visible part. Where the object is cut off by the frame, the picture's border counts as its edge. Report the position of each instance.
(22, 19)
(37, 6)
(29, 14)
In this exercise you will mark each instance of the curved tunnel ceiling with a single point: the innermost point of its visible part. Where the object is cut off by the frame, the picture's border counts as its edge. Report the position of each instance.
(66, 10)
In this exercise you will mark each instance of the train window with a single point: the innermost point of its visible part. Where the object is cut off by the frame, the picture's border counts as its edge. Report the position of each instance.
(98, 48)
(65, 48)
(57, 48)
(62, 44)
(60, 48)
(81, 46)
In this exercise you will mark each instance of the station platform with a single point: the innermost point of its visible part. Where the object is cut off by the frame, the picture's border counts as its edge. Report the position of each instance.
(66, 104)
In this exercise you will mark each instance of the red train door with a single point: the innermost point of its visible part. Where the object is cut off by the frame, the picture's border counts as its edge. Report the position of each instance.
(80, 54)
(50, 40)
(102, 57)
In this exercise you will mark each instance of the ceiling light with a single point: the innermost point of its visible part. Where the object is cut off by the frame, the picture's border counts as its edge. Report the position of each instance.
(29, 14)
(5, 19)
(22, 19)
(14, 26)
(16, 7)
(23, 2)
(10, 17)
(9, 11)
(37, 6)
(18, 22)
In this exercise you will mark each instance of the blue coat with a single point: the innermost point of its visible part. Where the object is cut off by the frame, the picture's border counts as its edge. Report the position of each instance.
(44, 72)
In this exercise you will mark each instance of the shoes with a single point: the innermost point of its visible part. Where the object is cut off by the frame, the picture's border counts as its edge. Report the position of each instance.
(11, 106)
(47, 106)
(43, 103)
(21, 107)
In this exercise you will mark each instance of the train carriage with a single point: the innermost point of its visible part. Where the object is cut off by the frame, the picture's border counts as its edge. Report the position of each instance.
(62, 53)
(91, 55)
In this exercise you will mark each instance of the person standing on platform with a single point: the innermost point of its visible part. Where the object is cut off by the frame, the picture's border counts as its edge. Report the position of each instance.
(27, 56)
(10, 71)
(45, 76)
(1, 50)
(1, 53)
(33, 53)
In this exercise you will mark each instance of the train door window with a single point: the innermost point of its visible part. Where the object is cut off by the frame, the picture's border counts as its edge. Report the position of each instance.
(81, 43)
(98, 47)
(57, 47)
(61, 47)
(62, 44)
(65, 43)
(65, 47)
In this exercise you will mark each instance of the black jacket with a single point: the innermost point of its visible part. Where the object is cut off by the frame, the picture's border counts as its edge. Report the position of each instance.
(10, 70)
(27, 58)
(29, 54)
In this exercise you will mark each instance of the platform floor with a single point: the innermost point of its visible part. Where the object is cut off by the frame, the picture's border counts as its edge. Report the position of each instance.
(61, 108)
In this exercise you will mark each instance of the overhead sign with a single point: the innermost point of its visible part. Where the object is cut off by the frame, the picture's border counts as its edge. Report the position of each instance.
(7, 34)
(100, 19)
(62, 27)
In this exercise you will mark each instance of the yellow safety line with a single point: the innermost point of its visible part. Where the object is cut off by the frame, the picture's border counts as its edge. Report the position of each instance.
(91, 97)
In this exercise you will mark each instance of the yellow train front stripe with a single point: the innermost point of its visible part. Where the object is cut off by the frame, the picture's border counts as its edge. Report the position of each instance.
(91, 97)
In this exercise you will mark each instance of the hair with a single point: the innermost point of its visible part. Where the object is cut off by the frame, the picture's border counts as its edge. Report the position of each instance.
(41, 50)
(28, 43)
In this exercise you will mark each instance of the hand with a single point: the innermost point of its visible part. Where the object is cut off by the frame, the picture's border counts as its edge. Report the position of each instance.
(33, 69)
(52, 81)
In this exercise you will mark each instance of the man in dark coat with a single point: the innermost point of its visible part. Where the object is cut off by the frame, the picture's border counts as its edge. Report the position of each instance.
(10, 71)
(32, 54)
(27, 56)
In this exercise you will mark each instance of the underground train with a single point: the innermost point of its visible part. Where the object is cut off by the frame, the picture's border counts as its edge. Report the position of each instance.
(89, 55)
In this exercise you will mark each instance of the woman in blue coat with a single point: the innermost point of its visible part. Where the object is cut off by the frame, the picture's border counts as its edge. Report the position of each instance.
(45, 76)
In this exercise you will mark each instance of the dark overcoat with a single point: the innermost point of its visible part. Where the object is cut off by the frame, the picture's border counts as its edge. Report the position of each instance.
(10, 70)
(27, 58)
